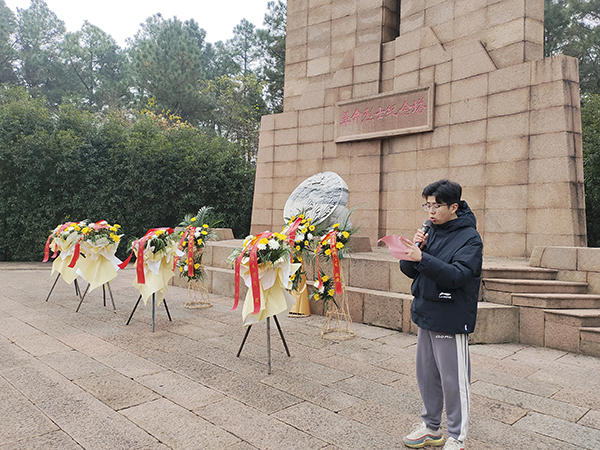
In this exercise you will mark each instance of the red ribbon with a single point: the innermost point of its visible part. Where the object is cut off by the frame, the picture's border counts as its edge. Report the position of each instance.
(62, 228)
(190, 232)
(98, 225)
(292, 230)
(331, 238)
(253, 266)
(76, 253)
(141, 244)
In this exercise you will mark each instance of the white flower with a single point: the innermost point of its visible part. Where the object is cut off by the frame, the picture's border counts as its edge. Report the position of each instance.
(274, 244)
(197, 233)
(316, 284)
(299, 237)
(185, 268)
(309, 237)
(248, 240)
(261, 246)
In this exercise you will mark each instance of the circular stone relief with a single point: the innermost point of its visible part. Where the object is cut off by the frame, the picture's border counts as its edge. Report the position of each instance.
(322, 197)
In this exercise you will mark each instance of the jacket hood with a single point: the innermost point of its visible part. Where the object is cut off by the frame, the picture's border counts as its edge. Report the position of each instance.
(465, 218)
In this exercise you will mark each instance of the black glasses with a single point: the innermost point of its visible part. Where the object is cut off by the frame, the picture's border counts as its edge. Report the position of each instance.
(432, 207)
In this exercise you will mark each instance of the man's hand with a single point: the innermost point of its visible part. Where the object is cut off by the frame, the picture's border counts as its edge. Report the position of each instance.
(412, 251)
(421, 237)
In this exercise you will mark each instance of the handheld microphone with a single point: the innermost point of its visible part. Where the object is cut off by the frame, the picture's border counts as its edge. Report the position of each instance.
(425, 228)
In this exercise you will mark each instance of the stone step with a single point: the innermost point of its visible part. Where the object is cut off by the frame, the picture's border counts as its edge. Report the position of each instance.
(590, 341)
(562, 327)
(557, 301)
(518, 272)
(496, 324)
(500, 290)
(376, 307)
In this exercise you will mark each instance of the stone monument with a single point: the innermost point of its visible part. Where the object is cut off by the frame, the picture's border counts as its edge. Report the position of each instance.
(394, 95)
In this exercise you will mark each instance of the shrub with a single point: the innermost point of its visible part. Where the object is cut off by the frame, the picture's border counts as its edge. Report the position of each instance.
(128, 169)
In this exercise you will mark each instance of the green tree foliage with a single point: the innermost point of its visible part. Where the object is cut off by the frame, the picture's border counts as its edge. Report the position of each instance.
(8, 55)
(141, 173)
(243, 47)
(98, 68)
(168, 64)
(237, 106)
(590, 121)
(571, 28)
(39, 36)
(272, 43)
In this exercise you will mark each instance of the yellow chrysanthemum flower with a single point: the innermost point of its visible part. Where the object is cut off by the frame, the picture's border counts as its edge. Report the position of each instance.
(306, 243)
(200, 241)
(339, 245)
(304, 230)
(158, 232)
(324, 278)
(328, 252)
(301, 216)
(336, 225)
(345, 234)
(298, 248)
(196, 266)
(77, 227)
(85, 230)
(263, 241)
(316, 297)
(180, 268)
(113, 229)
(330, 292)
(204, 232)
(205, 226)
(311, 228)
(293, 277)
(193, 219)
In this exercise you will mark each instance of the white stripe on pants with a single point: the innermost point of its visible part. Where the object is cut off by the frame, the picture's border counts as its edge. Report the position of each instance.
(444, 377)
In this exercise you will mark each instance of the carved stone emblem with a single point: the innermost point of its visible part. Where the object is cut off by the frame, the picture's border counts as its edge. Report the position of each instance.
(322, 197)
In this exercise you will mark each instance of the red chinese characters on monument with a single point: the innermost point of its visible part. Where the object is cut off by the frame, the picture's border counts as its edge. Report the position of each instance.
(385, 115)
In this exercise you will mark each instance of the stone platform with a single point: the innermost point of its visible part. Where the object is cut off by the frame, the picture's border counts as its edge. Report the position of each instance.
(86, 380)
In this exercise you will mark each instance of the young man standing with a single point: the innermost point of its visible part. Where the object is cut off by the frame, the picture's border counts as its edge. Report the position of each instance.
(445, 265)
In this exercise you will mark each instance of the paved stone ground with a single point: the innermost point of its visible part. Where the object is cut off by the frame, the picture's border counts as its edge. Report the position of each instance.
(86, 380)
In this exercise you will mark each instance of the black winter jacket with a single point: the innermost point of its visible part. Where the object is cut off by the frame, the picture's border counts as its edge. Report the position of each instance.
(446, 281)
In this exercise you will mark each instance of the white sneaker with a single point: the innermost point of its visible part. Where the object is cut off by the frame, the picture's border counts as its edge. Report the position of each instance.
(454, 444)
(421, 436)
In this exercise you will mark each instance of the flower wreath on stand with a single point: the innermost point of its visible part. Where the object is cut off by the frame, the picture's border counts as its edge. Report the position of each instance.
(65, 242)
(301, 236)
(156, 254)
(193, 239)
(264, 263)
(334, 246)
(99, 242)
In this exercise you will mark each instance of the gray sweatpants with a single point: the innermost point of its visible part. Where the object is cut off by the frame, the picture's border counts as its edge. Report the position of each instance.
(444, 377)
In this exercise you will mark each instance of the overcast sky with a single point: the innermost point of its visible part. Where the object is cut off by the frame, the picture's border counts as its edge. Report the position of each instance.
(121, 18)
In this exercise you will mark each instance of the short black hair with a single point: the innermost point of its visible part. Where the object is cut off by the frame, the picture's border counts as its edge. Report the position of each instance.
(444, 191)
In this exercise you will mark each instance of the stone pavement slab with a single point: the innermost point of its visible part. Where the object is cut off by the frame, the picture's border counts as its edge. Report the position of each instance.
(87, 381)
